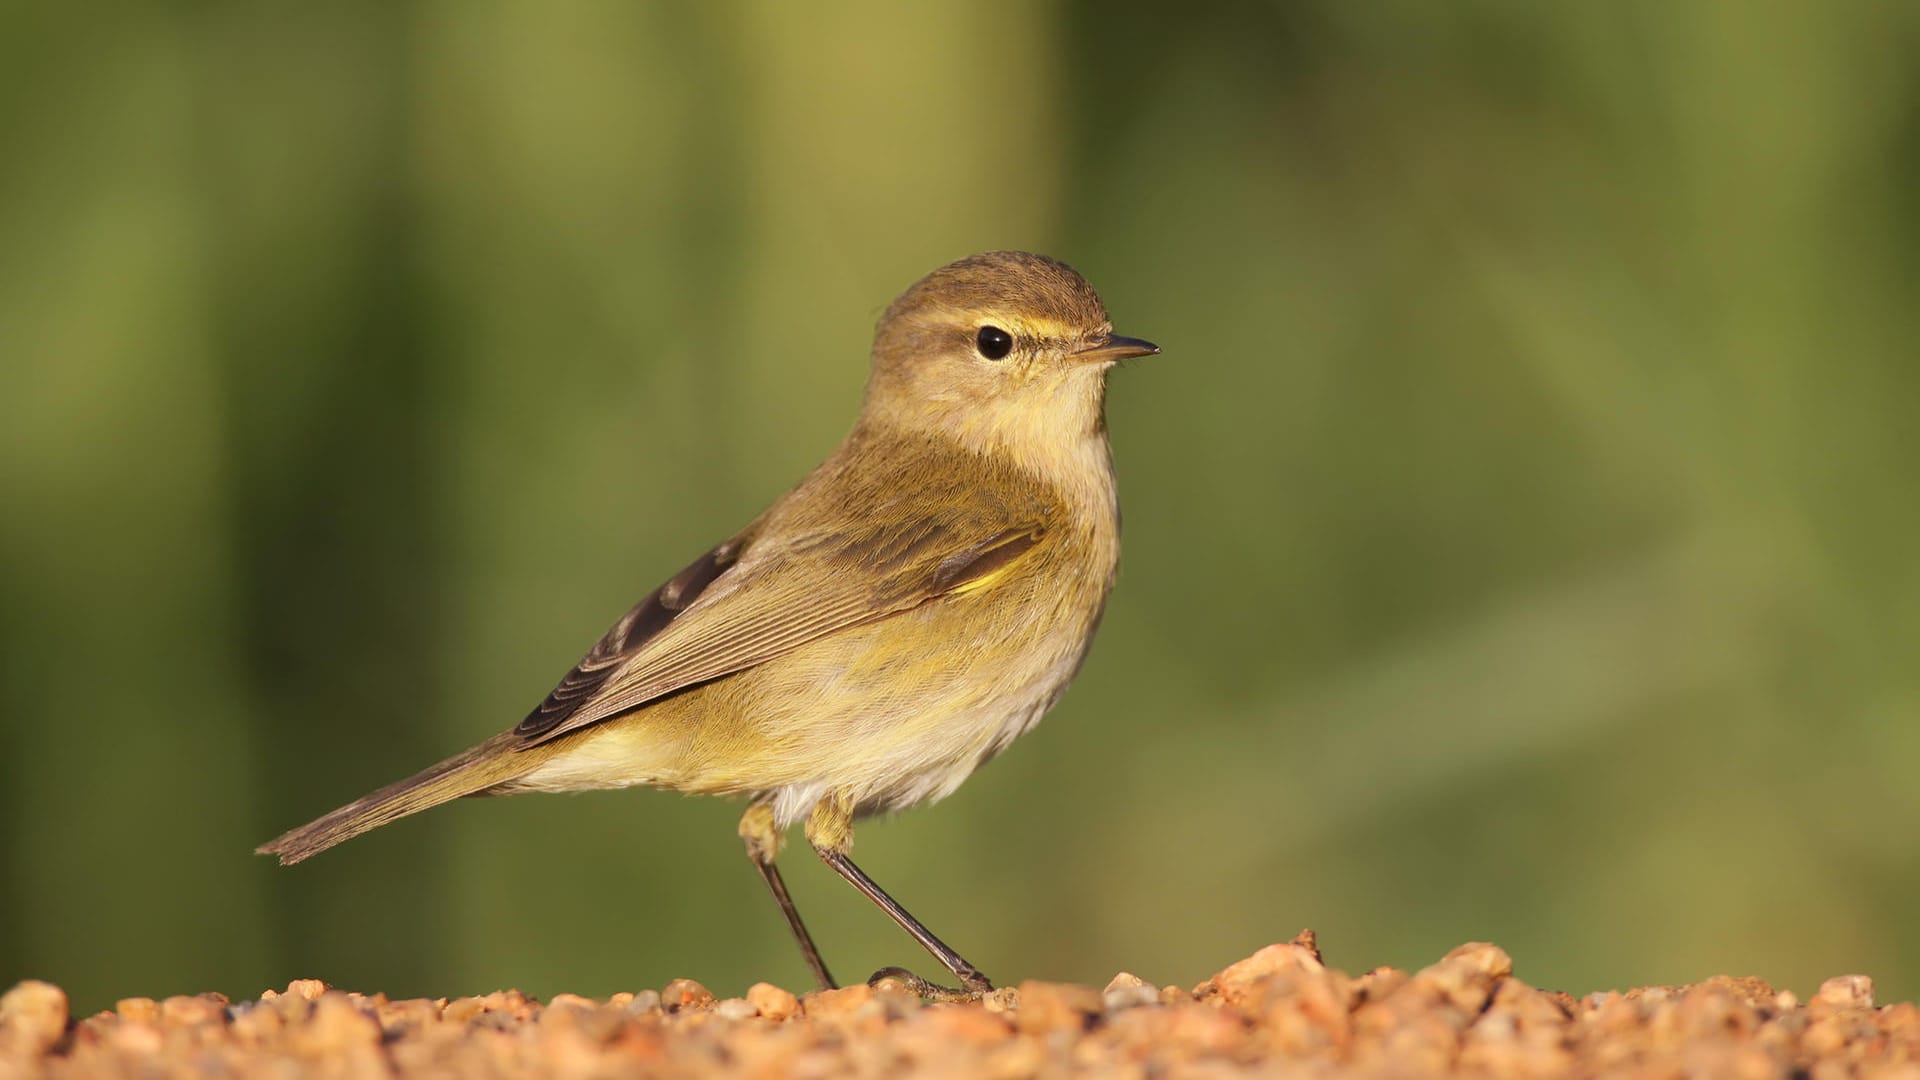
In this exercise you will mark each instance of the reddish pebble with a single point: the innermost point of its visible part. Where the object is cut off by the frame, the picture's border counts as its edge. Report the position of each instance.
(962, 1023)
(1046, 1006)
(572, 1001)
(1236, 982)
(204, 1009)
(836, 1002)
(140, 1010)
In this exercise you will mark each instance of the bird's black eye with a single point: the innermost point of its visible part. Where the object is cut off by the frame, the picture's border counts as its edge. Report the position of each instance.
(994, 343)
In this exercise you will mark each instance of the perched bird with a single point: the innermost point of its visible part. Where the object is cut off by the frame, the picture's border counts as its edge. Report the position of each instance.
(912, 607)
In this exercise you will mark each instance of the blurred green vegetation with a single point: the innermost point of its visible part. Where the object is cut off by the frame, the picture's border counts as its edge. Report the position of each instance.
(1520, 524)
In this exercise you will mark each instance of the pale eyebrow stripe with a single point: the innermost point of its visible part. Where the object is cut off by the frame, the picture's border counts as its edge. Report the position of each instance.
(1049, 330)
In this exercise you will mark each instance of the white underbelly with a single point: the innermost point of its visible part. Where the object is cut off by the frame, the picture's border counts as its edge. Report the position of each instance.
(926, 761)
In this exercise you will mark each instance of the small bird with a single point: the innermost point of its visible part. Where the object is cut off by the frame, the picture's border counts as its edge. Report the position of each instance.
(906, 612)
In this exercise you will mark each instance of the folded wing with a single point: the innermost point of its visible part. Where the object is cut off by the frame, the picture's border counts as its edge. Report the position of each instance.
(778, 586)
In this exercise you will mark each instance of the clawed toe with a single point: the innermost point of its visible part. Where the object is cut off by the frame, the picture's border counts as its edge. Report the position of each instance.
(928, 990)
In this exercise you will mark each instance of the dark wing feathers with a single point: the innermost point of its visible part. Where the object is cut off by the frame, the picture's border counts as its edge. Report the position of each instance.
(635, 628)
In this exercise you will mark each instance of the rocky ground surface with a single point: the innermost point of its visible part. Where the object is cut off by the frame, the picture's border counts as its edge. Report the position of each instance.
(1279, 1010)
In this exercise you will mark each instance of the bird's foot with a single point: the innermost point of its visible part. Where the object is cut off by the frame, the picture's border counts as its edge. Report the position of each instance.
(977, 987)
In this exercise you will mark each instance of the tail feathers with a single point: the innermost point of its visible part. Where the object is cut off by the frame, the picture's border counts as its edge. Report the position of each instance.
(491, 763)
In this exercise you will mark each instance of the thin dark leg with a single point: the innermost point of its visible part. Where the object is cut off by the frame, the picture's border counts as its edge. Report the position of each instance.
(969, 976)
(778, 887)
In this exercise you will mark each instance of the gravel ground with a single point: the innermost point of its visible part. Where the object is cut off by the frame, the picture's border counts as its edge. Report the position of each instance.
(1279, 1010)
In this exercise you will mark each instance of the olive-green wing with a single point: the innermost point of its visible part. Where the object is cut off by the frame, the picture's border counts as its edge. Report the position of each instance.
(761, 594)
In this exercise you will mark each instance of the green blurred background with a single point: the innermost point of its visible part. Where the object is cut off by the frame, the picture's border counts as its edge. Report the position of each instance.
(1520, 522)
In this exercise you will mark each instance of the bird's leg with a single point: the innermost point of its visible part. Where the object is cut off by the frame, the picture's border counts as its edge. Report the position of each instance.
(830, 831)
(762, 837)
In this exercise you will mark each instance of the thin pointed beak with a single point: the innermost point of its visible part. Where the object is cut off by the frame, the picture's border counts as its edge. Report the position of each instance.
(1116, 348)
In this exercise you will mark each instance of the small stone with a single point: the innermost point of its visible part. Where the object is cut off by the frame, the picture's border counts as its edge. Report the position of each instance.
(1047, 1006)
(772, 1002)
(185, 1010)
(736, 1009)
(1379, 983)
(685, 994)
(33, 1017)
(1236, 981)
(311, 989)
(1481, 958)
(1845, 992)
(1465, 978)
(1205, 1031)
(565, 1013)
(1003, 1000)
(961, 1023)
(1127, 990)
(643, 1002)
(1748, 988)
(136, 1040)
(139, 1010)
(1825, 1038)
(402, 1017)
(337, 1023)
(841, 1002)
(1315, 1010)
(519, 1005)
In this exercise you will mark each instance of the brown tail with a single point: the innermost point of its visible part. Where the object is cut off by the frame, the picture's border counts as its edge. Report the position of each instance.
(492, 762)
